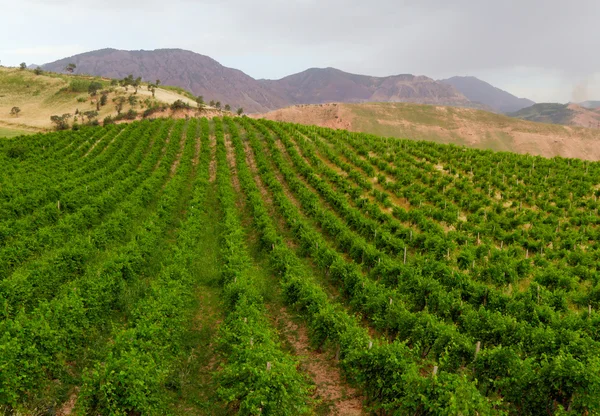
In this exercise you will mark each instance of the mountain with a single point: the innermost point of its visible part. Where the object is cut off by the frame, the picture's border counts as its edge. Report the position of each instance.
(590, 104)
(326, 85)
(566, 114)
(459, 126)
(197, 73)
(204, 76)
(480, 91)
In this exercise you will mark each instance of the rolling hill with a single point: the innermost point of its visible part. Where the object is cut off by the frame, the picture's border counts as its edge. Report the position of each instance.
(204, 76)
(197, 73)
(590, 104)
(41, 96)
(480, 91)
(567, 114)
(461, 126)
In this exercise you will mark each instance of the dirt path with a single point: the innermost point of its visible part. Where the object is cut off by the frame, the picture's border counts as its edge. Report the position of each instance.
(335, 395)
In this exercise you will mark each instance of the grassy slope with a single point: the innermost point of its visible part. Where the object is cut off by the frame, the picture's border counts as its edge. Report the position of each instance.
(41, 96)
(545, 113)
(460, 126)
(11, 132)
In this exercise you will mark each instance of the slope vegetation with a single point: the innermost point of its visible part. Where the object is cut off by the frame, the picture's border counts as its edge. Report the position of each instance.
(41, 96)
(252, 267)
(566, 114)
(197, 73)
(461, 126)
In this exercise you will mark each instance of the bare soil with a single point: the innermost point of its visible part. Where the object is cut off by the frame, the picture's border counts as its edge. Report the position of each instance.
(473, 128)
(336, 395)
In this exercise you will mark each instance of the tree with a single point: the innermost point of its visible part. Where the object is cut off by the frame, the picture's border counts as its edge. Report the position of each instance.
(38, 71)
(23, 66)
(227, 107)
(119, 102)
(70, 68)
(136, 84)
(61, 122)
(132, 100)
(200, 101)
(114, 82)
(240, 111)
(103, 98)
(15, 111)
(127, 81)
(212, 103)
(94, 87)
(157, 82)
(179, 105)
(218, 104)
(90, 115)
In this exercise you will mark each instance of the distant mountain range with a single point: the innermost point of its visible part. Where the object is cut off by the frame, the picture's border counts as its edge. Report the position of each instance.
(204, 76)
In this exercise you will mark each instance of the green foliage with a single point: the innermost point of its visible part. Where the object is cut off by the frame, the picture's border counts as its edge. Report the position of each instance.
(78, 85)
(94, 87)
(179, 105)
(440, 280)
(61, 122)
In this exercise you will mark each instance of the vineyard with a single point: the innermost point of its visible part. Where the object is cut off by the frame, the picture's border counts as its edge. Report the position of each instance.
(153, 268)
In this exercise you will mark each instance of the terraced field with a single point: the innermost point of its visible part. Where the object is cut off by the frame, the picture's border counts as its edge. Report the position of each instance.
(247, 266)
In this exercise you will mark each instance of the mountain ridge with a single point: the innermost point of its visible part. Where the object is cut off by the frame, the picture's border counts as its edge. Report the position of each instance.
(205, 76)
(485, 93)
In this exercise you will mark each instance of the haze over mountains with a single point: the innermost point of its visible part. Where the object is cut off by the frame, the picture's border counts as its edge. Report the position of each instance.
(204, 76)
(480, 91)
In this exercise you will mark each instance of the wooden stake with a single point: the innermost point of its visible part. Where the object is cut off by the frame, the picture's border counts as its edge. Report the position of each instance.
(435, 370)
(404, 254)
(268, 366)
(477, 348)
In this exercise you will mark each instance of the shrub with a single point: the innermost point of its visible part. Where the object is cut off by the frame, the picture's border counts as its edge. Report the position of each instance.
(179, 105)
(78, 85)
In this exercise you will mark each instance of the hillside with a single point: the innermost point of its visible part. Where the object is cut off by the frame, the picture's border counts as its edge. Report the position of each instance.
(41, 96)
(325, 85)
(461, 126)
(197, 73)
(590, 104)
(566, 114)
(480, 91)
(239, 266)
(204, 76)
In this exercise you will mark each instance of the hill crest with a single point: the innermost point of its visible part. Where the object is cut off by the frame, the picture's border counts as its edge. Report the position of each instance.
(483, 92)
(205, 76)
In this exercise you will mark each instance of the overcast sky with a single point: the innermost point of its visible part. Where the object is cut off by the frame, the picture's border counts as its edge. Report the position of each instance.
(546, 50)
